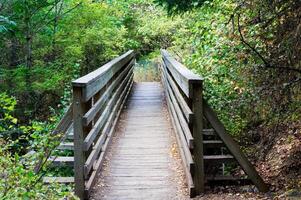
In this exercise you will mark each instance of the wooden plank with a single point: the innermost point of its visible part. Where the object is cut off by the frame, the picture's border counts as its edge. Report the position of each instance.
(70, 133)
(187, 170)
(188, 157)
(184, 77)
(66, 146)
(61, 128)
(180, 99)
(95, 81)
(178, 128)
(99, 144)
(64, 180)
(78, 112)
(62, 161)
(183, 123)
(208, 132)
(97, 167)
(65, 122)
(227, 180)
(105, 114)
(177, 111)
(89, 116)
(234, 148)
(197, 128)
(218, 158)
(132, 166)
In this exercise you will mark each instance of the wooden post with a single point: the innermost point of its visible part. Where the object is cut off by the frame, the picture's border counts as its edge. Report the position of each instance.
(197, 129)
(79, 155)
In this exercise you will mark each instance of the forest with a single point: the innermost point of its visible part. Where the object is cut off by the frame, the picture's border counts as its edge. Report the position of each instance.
(247, 51)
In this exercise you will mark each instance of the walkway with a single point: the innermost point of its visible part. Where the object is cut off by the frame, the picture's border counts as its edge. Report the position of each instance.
(142, 160)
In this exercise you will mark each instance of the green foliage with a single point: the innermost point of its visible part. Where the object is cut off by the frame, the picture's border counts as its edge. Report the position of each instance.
(178, 6)
(232, 44)
(6, 24)
(18, 179)
(206, 45)
(7, 106)
(46, 44)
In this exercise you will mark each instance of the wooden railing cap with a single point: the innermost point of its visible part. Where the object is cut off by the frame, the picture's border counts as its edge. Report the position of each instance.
(97, 74)
(184, 71)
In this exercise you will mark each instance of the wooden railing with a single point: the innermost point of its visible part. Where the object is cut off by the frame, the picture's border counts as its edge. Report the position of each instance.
(188, 113)
(97, 101)
(184, 97)
(233, 147)
(60, 133)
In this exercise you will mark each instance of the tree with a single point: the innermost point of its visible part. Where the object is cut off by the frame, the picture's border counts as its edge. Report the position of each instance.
(177, 6)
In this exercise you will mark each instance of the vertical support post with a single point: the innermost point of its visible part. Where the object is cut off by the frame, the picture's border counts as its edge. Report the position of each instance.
(79, 154)
(197, 133)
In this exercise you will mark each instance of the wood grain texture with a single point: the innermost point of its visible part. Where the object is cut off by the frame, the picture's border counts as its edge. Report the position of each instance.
(234, 148)
(96, 80)
(183, 76)
(139, 164)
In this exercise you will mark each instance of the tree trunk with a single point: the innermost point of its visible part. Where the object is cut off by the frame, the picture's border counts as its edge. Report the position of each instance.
(28, 48)
(12, 60)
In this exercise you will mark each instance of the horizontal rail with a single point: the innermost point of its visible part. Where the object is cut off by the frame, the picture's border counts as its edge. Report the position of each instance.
(184, 77)
(61, 131)
(95, 81)
(234, 148)
(183, 91)
(98, 99)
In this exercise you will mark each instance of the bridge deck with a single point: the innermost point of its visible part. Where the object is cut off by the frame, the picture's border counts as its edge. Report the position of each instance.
(142, 162)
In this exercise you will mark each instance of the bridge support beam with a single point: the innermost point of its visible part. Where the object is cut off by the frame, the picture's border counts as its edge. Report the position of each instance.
(79, 154)
(197, 128)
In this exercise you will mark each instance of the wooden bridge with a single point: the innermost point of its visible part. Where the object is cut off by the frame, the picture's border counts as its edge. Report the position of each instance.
(139, 161)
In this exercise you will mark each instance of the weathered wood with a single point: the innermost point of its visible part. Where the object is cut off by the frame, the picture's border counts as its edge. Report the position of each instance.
(95, 81)
(184, 77)
(227, 180)
(61, 128)
(78, 113)
(180, 99)
(186, 131)
(70, 133)
(208, 132)
(99, 144)
(234, 148)
(99, 163)
(65, 122)
(218, 158)
(64, 180)
(137, 166)
(197, 128)
(89, 116)
(62, 161)
(187, 170)
(105, 114)
(188, 157)
(180, 113)
(66, 146)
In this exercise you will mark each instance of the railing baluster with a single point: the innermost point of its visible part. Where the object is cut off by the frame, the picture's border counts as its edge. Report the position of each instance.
(107, 87)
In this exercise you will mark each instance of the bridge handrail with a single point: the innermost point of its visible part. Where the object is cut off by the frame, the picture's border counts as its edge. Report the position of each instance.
(184, 96)
(97, 101)
(61, 132)
(183, 76)
(188, 109)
